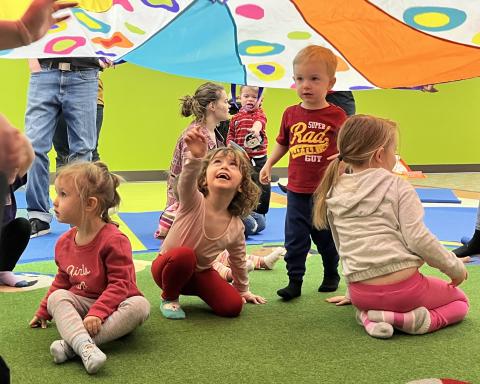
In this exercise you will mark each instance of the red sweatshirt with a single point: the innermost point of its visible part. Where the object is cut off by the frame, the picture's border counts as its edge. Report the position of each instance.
(101, 270)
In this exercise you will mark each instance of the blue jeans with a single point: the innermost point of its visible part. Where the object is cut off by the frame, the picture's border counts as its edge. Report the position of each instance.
(50, 93)
(299, 234)
(254, 223)
(60, 140)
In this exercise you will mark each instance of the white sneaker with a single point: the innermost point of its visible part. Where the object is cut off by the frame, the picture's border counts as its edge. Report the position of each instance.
(92, 357)
(61, 351)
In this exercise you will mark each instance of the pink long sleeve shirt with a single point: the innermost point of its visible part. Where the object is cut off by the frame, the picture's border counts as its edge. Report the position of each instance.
(188, 229)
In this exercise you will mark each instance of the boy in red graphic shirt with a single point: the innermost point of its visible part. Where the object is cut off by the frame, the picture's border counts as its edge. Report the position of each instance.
(308, 132)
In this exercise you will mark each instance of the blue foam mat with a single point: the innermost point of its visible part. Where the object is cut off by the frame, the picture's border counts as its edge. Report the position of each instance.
(437, 195)
(21, 199)
(426, 195)
(143, 225)
(447, 223)
(450, 223)
(43, 247)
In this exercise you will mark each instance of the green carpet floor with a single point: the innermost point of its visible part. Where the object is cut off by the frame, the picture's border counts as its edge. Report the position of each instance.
(304, 341)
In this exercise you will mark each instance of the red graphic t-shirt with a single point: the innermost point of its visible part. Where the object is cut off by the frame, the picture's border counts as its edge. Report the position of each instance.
(311, 137)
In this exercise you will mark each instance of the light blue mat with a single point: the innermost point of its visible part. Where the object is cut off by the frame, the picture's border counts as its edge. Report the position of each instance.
(426, 195)
(43, 247)
(447, 223)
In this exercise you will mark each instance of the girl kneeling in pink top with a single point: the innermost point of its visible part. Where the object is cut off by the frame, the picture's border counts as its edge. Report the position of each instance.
(94, 297)
(376, 220)
(214, 193)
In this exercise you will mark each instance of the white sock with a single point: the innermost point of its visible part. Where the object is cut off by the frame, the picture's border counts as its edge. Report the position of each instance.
(273, 257)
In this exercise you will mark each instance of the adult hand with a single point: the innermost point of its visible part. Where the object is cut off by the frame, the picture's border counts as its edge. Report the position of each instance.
(38, 18)
(92, 324)
(10, 149)
(105, 63)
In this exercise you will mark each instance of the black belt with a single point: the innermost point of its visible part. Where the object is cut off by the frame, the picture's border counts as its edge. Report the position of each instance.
(66, 66)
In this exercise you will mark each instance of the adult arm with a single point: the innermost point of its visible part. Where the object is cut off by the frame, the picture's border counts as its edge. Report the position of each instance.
(33, 25)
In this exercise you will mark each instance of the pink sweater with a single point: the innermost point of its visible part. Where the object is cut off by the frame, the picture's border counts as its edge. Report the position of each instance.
(188, 229)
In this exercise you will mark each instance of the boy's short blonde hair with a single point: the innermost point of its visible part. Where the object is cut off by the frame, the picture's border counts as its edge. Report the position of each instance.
(319, 54)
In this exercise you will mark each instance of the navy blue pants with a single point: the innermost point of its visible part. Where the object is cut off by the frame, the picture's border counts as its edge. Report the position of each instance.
(299, 234)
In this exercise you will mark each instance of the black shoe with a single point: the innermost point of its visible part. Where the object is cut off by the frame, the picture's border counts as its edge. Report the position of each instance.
(291, 291)
(39, 228)
(471, 248)
(282, 187)
(329, 284)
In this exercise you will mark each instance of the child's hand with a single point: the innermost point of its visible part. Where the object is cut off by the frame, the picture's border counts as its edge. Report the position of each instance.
(251, 298)
(339, 300)
(457, 281)
(38, 322)
(92, 324)
(196, 143)
(265, 175)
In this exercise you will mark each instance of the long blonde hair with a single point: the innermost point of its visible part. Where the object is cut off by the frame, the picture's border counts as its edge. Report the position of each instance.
(358, 140)
(247, 198)
(94, 180)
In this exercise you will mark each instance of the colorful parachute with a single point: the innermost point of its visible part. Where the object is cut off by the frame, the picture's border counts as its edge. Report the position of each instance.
(379, 43)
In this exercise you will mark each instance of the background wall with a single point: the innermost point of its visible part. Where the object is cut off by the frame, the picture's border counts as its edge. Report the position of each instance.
(142, 121)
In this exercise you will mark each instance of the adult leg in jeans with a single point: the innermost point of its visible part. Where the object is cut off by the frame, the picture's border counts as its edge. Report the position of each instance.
(60, 139)
(79, 105)
(60, 143)
(43, 108)
(95, 154)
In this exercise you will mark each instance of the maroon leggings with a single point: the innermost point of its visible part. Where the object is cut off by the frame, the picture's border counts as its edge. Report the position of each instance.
(174, 272)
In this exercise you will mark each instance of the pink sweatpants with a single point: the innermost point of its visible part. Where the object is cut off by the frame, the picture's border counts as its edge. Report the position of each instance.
(447, 304)
(175, 273)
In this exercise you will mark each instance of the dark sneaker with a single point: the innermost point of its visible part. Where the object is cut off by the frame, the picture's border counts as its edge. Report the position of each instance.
(282, 187)
(39, 228)
(329, 284)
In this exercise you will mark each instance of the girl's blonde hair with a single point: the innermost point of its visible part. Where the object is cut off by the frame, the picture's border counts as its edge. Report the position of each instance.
(247, 198)
(358, 140)
(198, 103)
(94, 180)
